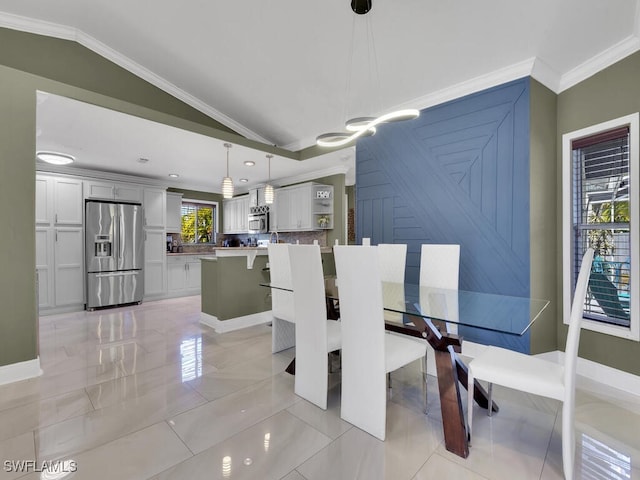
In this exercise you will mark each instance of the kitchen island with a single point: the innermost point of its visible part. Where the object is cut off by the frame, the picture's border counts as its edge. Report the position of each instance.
(231, 295)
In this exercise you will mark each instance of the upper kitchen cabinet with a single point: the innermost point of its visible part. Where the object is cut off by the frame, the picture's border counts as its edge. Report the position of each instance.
(235, 215)
(256, 197)
(304, 207)
(58, 200)
(155, 209)
(113, 191)
(174, 212)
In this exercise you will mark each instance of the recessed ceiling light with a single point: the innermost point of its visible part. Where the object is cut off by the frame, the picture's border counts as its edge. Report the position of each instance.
(244, 180)
(249, 163)
(174, 175)
(55, 158)
(143, 160)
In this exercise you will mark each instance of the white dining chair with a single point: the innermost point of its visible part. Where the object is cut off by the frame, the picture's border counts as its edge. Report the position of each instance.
(439, 268)
(537, 376)
(283, 324)
(393, 260)
(368, 352)
(315, 336)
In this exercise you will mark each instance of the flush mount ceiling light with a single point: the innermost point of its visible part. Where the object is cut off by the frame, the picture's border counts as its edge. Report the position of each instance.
(249, 163)
(227, 182)
(55, 158)
(174, 175)
(268, 188)
(363, 126)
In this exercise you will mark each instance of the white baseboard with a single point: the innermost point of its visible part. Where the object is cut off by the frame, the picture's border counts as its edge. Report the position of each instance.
(223, 326)
(20, 371)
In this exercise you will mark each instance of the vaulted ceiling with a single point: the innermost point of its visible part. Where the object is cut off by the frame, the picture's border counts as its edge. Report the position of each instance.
(284, 71)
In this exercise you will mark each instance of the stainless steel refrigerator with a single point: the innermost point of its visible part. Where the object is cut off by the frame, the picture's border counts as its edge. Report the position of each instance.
(114, 249)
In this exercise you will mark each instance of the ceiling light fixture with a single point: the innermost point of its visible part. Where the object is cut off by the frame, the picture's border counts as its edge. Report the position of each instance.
(244, 180)
(363, 126)
(268, 188)
(174, 175)
(55, 158)
(227, 182)
(249, 163)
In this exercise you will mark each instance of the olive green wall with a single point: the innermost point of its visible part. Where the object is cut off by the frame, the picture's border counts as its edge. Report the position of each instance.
(609, 94)
(18, 322)
(542, 214)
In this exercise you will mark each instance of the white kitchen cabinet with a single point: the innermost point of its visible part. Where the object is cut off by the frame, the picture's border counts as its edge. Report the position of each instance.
(235, 214)
(155, 248)
(256, 197)
(44, 267)
(69, 270)
(59, 242)
(183, 275)
(296, 209)
(58, 200)
(174, 212)
(155, 209)
(127, 192)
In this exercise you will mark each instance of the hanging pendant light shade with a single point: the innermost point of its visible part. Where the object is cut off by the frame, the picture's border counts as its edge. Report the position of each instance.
(227, 182)
(268, 189)
(364, 126)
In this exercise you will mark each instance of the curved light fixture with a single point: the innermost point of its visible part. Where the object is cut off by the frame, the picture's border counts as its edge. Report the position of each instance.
(367, 128)
(55, 158)
(227, 182)
(268, 189)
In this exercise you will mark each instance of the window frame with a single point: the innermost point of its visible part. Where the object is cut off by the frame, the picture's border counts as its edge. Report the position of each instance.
(632, 121)
(215, 221)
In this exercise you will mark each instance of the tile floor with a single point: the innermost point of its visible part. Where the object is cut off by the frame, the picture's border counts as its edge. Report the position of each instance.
(147, 392)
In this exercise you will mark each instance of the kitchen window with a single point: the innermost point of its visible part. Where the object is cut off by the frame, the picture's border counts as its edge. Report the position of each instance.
(198, 222)
(600, 210)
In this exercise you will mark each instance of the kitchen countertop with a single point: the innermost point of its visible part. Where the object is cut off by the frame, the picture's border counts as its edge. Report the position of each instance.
(231, 249)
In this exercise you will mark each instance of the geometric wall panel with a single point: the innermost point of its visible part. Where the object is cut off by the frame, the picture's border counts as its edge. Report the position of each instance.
(457, 174)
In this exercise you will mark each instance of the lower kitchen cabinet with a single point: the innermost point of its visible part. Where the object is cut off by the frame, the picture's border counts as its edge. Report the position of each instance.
(183, 275)
(155, 252)
(60, 267)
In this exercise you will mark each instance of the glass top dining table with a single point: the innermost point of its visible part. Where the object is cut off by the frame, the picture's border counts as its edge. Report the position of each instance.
(416, 310)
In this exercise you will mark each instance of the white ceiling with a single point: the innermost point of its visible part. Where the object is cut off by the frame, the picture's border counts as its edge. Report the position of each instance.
(114, 142)
(278, 71)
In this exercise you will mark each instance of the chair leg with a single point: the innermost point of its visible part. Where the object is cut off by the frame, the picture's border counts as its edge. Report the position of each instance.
(470, 390)
(490, 394)
(424, 377)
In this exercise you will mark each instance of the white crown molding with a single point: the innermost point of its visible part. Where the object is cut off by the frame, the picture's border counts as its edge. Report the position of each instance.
(604, 59)
(40, 27)
(547, 76)
(477, 84)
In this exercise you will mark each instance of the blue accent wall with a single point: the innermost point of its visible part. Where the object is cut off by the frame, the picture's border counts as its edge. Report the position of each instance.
(457, 174)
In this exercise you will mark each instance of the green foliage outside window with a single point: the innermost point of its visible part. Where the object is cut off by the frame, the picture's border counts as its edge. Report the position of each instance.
(602, 240)
(197, 223)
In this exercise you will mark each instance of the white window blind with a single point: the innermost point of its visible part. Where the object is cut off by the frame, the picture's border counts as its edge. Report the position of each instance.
(602, 220)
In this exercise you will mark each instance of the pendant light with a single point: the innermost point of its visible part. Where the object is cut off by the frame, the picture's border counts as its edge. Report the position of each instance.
(268, 189)
(227, 182)
(363, 126)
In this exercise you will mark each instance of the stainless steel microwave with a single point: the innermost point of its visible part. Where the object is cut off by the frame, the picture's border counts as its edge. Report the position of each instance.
(259, 222)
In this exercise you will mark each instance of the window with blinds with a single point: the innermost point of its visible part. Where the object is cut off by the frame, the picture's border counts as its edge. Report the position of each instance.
(600, 208)
(601, 220)
(198, 223)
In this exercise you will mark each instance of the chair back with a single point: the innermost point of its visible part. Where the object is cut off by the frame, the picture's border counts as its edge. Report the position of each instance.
(280, 273)
(440, 266)
(575, 322)
(363, 344)
(393, 259)
(311, 323)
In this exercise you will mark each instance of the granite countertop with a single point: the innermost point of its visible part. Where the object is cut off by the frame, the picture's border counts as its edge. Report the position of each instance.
(230, 249)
